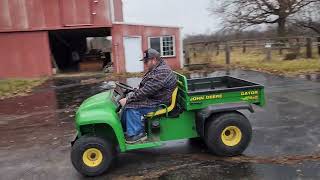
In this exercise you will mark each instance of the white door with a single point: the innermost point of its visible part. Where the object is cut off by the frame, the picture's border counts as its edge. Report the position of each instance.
(133, 53)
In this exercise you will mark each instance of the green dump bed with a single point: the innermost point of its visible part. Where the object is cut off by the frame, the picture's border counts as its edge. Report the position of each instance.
(202, 92)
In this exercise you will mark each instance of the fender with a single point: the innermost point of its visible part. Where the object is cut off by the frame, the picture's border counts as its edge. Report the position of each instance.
(203, 114)
(102, 117)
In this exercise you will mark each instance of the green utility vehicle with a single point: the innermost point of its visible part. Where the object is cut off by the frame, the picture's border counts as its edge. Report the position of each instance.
(206, 108)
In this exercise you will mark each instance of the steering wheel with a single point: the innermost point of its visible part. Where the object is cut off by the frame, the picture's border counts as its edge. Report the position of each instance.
(124, 86)
(127, 89)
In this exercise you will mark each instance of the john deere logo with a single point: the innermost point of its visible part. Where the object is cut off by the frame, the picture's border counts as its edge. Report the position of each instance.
(200, 98)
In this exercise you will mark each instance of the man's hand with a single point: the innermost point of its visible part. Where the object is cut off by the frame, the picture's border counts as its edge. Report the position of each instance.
(123, 101)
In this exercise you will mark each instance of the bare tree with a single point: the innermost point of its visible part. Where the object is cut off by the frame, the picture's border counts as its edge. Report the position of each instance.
(309, 18)
(242, 14)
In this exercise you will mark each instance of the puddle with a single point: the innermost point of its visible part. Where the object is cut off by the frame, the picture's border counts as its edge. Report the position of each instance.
(224, 171)
(311, 77)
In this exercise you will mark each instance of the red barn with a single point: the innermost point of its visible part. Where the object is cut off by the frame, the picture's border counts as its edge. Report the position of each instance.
(39, 35)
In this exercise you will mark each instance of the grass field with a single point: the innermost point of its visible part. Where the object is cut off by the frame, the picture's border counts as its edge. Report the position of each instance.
(255, 59)
(18, 87)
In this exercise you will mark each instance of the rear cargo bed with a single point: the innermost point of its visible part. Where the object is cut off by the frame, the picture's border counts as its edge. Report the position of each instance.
(203, 92)
(218, 84)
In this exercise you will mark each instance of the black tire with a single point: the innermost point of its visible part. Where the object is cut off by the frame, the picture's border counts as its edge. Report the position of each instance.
(82, 145)
(227, 125)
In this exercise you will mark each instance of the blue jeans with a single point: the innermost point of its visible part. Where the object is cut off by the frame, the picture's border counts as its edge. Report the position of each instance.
(131, 120)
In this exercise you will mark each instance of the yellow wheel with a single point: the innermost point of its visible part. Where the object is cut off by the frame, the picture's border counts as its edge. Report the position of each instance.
(231, 136)
(92, 157)
(228, 134)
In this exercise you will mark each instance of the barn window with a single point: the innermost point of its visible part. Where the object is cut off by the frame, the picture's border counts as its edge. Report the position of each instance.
(164, 44)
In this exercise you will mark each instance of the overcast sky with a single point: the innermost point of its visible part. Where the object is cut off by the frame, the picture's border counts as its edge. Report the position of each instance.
(192, 15)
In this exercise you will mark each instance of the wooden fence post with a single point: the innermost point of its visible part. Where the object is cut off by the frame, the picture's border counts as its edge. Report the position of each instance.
(227, 49)
(268, 58)
(244, 49)
(280, 51)
(298, 45)
(318, 39)
(218, 49)
(309, 48)
(268, 48)
(208, 59)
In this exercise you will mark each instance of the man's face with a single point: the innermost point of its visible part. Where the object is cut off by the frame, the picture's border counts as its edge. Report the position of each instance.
(150, 63)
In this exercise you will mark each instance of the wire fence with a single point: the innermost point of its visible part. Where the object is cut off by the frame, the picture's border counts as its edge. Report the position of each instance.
(289, 47)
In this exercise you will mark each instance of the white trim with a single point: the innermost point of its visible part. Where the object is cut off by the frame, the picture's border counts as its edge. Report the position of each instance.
(152, 25)
(149, 42)
(161, 44)
(134, 36)
(181, 51)
(112, 10)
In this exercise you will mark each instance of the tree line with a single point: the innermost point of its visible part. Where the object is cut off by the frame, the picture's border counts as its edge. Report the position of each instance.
(279, 18)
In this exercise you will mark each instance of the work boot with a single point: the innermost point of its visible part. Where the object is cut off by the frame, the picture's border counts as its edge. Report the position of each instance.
(137, 138)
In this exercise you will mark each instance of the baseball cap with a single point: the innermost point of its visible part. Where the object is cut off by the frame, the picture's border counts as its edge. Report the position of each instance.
(149, 54)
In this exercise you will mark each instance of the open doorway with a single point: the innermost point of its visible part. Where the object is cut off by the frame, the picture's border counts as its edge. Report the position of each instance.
(80, 49)
(98, 48)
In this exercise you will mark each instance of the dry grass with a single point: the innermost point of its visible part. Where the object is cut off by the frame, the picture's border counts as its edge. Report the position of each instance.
(18, 87)
(255, 60)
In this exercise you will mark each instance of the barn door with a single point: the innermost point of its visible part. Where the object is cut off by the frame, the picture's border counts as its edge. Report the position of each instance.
(76, 12)
(133, 53)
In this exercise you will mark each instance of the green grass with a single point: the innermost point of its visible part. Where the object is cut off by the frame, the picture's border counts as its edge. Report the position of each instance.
(255, 60)
(18, 87)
